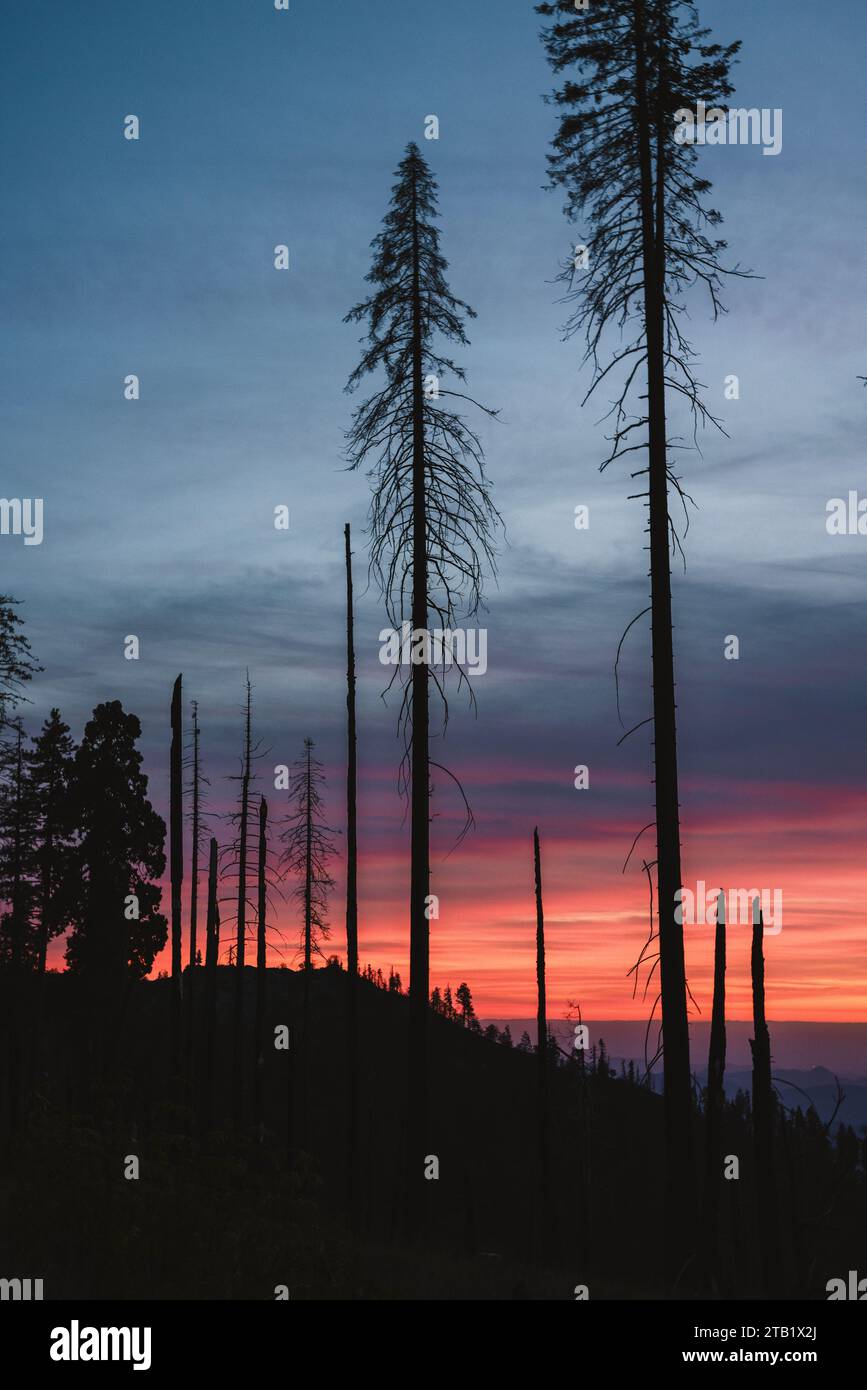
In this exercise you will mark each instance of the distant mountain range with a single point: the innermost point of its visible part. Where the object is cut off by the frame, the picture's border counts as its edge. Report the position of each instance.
(808, 1058)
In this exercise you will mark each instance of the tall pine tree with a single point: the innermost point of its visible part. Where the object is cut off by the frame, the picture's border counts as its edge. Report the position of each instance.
(628, 68)
(432, 524)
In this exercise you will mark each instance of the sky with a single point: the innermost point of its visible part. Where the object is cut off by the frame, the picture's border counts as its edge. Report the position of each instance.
(156, 257)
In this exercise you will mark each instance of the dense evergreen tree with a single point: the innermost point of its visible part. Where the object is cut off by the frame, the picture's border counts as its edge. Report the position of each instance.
(50, 765)
(19, 935)
(117, 928)
(464, 997)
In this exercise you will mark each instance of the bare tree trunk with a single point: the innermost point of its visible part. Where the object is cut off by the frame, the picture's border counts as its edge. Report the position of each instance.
(240, 942)
(308, 874)
(308, 956)
(352, 1041)
(676, 1070)
(351, 779)
(260, 969)
(716, 1065)
(763, 1120)
(290, 1070)
(542, 1052)
(194, 901)
(419, 945)
(176, 835)
(212, 951)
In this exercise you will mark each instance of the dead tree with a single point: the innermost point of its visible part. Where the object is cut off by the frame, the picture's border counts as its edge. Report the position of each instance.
(352, 1038)
(542, 1119)
(197, 830)
(629, 67)
(431, 521)
(241, 818)
(308, 846)
(176, 869)
(715, 1097)
(212, 954)
(351, 780)
(260, 966)
(764, 1119)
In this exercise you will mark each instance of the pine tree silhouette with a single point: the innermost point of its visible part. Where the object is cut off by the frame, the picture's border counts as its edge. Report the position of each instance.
(628, 67)
(50, 764)
(432, 523)
(119, 855)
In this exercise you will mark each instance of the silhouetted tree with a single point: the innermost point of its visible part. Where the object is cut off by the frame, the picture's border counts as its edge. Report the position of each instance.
(432, 522)
(764, 1119)
(351, 777)
(19, 934)
(308, 843)
(308, 846)
(117, 927)
(19, 940)
(17, 664)
(464, 997)
(239, 851)
(629, 66)
(50, 763)
(197, 831)
(259, 1031)
(212, 954)
(715, 1095)
(176, 826)
(49, 766)
(352, 1038)
(542, 1051)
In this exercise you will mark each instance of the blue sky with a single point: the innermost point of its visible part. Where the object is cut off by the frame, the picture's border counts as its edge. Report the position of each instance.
(156, 257)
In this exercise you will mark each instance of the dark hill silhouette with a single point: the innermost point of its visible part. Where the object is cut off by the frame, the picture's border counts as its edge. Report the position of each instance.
(222, 1216)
